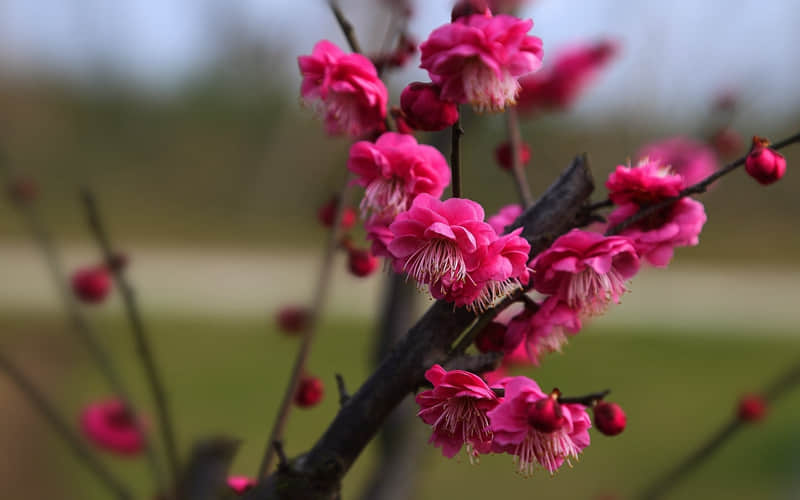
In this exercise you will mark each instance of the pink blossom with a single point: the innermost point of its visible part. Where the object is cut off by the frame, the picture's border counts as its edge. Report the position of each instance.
(240, 484)
(586, 270)
(505, 217)
(344, 89)
(501, 269)
(514, 432)
(688, 158)
(394, 170)
(647, 182)
(456, 408)
(656, 237)
(109, 425)
(440, 240)
(479, 59)
(424, 109)
(380, 235)
(574, 70)
(544, 329)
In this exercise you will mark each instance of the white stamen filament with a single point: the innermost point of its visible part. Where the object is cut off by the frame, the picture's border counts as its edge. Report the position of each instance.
(434, 260)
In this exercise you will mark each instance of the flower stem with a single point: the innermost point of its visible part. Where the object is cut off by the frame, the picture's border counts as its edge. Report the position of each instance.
(455, 157)
(517, 169)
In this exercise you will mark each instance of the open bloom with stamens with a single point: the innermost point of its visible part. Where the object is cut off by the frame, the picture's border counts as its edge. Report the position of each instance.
(657, 236)
(586, 270)
(543, 330)
(440, 241)
(647, 182)
(344, 89)
(478, 59)
(688, 158)
(456, 408)
(109, 425)
(516, 426)
(394, 170)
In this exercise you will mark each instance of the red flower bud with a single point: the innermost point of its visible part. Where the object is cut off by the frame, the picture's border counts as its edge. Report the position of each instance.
(400, 120)
(752, 408)
(546, 414)
(491, 338)
(292, 319)
(91, 285)
(465, 8)
(23, 190)
(503, 155)
(361, 262)
(424, 109)
(309, 392)
(327, 212)
(609, 418)
(765, 165)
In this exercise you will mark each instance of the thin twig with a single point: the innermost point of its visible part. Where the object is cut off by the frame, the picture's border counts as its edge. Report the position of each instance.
(282, 460)
(517, 169)
(587, 400)
(137, 328)
(346, 26)
(80, 326)
(773, 391)
(63, 429)
(455, 157)
(318, 303)
(591, 207)
(343, 394)
(698, 188)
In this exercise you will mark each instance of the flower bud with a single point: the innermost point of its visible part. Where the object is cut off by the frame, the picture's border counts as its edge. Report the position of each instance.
(400, 121)
(292, 319)
(609, 418)
(361, 262)
(240, 484)
(23, 190)
(503, 155)
(546, 415)
(309, 392)
(765, 165)
(91, 285)
(327, 212)
(752, 408)
(424, 109)
(490, 339)
(465, 8)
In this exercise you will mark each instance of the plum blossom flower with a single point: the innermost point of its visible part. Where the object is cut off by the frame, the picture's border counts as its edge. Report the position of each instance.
(380, 235)
(504, 217)
(647, 182)
(344, 89)
(478, 59)
(109, 425)
(688, 158)
(456, 408)
(559, 87)
(517, 433)
(91, 284)
(586, 270)
(437, 241)
(424, 109)
(543, 329)
(656, 236)
(394, 170)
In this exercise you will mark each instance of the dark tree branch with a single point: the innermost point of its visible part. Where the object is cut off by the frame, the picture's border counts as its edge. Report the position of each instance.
(478, 363)
(317, 474)
(343, 395)
(140, 336)
(63, 429)
(697, 188)
(587, 400)
(455, 157)
(206, 473)
(346, 26)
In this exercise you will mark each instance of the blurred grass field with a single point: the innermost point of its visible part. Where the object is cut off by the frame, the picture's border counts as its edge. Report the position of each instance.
(226, 376)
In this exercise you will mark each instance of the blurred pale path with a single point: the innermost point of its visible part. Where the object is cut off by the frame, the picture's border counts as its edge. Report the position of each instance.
(226, 282)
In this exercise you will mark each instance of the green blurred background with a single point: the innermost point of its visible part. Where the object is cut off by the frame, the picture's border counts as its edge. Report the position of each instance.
(210, 180)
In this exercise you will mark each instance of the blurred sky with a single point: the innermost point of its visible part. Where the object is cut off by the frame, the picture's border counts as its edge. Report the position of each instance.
(677, 54)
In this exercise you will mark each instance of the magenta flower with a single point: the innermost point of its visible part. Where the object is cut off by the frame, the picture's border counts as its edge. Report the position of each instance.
(505, 217)
(110, 426)
(575, 68)
(516, 424)
(688, 158)
(394, 170)
(241, 484)
(379, 234)
(344, 89)
(479, 59)
(440, 241)
(501, 269)
(647, 182)
(763, 163)
(586, 270)
(456, 408)
(656, 237)
(424, 109)
(544, 329)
